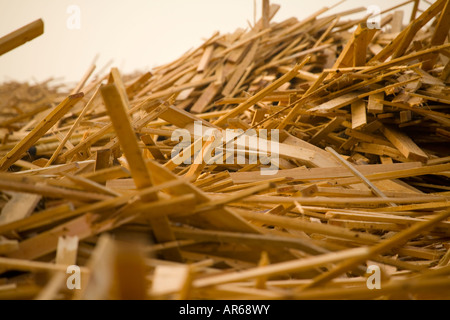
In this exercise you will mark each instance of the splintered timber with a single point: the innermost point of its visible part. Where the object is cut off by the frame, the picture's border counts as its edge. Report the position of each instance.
(295, 159)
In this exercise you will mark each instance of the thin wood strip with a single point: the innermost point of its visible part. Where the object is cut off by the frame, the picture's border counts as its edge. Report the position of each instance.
(39, 131)
(21, 36)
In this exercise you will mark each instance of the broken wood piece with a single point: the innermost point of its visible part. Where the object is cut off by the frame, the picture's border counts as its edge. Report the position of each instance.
(141, 176)
(375, 106)
(20, 206)
(404, 144)
(396, 240)
(281, 268)
(21, 36)
(358, 174)
(330, 127)
(266, 91)
(359, 114)
(66, 254)
(54, 116)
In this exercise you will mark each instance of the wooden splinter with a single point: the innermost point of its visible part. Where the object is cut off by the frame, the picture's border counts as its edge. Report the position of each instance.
(358, 174)
(117, 109)
(49, 121)
(21, 36)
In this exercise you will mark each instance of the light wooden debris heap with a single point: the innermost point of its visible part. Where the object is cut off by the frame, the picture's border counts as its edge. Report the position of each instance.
(360, 168)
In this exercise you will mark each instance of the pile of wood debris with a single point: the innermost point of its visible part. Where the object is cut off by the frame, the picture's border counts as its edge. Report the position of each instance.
(358, 191)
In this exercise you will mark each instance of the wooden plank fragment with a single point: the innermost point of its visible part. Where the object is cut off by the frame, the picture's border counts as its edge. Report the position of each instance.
(383, 246)
(7, 246)
(66, 254)
(141, 176)
(359, 114)
(266, 91)
(127, 138)
(358, 174)
(404, 144)
(169, 279)
(336, 103)
(21, 36)
(440, 33)
(206, 98)
(47, 242)
(54, 116)
(19, 207)
(375, 106)
(206, 57)
(281, 268)
(354, 53)
(137, 85)
(71, 131)
(397, 22)
(241, 69)
(330, 127)
(304, 174)
(266, 14)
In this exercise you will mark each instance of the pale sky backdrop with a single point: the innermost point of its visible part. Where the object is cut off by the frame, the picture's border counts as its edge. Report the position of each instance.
(136, 34)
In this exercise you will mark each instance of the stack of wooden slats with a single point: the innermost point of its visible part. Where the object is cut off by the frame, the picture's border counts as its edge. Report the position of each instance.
(362, 169)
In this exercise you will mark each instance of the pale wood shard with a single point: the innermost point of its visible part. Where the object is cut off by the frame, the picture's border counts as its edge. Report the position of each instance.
(66, 254)
(116, 105)
(338, 162)
(330, 127)
(266, 14)
(47, 242)
(358, 174)
(206, 98)
(201, 160)
(397, 22)
(306, 174)
(404, 144)
(302, 264)
(354, 53)
(169, 279)
(20, 206)
(241, 70)
(45, 125)
(398, 239)
(98, 283)
(130, 273)
(24, 265)
(206, 58)
(21, 36)
(359, 114)
(266, 91)
(440, 33)
(7, 246)
(375, 105)
(336, 103)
